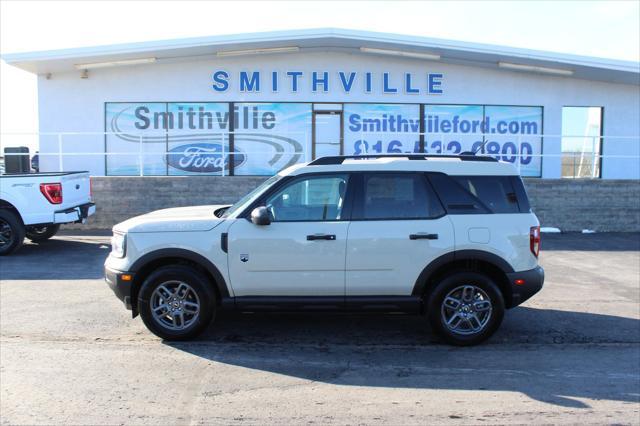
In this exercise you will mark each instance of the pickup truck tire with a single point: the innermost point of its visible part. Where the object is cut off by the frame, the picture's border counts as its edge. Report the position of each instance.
(37, 234)
(11, 232)
(465, 308)
(177, 302)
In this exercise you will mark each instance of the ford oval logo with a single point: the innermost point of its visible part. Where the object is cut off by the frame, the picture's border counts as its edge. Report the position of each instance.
(203, 158)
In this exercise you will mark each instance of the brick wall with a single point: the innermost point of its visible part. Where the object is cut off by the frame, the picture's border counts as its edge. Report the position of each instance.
(119, 198)
(571, 205)
(577, 204)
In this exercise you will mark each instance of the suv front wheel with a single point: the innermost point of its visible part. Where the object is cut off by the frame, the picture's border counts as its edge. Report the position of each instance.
(176, 302)
(465, 308)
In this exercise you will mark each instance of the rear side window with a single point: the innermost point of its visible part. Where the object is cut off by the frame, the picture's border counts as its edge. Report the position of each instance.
(455, 198)
(389, 196)
(495, 192)
(523, 199)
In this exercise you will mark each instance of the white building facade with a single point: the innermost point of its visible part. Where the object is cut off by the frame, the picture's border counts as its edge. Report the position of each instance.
(254, 104)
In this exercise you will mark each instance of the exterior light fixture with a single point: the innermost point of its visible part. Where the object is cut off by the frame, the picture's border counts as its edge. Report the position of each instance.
(224, 53)
(534, 68)
(402, 53)
(123, 62)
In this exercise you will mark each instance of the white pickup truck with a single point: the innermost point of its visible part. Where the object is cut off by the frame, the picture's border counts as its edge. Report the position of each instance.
(35, 204)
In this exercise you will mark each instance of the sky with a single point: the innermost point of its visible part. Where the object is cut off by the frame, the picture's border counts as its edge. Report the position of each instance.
(609, 29)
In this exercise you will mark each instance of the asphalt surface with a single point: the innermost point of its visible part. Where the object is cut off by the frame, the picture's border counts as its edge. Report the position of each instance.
(70, 353)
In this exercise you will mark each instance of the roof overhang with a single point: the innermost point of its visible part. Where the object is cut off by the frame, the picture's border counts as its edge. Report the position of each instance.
(449, 51)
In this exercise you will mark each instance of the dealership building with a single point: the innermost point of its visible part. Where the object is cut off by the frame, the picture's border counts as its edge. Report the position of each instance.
(228, 109)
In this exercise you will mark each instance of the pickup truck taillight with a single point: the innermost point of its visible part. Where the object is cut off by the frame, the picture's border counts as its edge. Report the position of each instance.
(52, 192)
(534, 240)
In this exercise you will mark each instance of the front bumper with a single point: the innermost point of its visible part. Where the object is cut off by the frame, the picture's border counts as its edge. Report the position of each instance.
(121, 287)
(533, 280)
(78, 214)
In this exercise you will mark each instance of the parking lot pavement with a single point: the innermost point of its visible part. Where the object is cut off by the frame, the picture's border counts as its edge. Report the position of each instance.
(70, 353)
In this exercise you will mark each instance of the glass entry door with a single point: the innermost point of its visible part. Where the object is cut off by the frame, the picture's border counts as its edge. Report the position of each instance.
(327, 133)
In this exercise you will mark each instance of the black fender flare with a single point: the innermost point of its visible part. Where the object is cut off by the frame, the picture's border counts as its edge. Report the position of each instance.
(453, 256)
(220, 282)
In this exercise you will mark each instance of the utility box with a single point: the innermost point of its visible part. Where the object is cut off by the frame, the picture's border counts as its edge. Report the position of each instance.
(16, 160)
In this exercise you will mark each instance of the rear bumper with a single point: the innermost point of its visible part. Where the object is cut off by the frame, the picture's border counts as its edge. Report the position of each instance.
(74, 214)
(533, 282)
(120, 287)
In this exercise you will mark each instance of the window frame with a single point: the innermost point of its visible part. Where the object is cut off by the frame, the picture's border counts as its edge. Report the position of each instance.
(505, 181)
(600, 144)
(347, 208)
(522, 200)
(359, 194)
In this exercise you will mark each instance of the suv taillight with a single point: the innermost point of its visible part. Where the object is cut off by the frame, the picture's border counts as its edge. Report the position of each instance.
(534, 240)
(52, 192)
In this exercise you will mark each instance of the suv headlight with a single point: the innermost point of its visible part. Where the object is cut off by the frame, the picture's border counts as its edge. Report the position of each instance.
(118, 244)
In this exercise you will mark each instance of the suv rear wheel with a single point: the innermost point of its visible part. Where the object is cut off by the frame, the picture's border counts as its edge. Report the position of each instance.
(176, 302)
(465, 308)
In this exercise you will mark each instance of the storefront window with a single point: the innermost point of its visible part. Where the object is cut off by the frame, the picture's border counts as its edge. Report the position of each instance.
(195, 138)
(198, 139)
(581, 142)
(453, 129)
(508, 133)
(271, 136)
(514, 135)
(381, 128)
(136, 138)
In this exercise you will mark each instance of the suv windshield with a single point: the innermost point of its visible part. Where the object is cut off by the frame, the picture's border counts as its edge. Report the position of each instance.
(250, 197)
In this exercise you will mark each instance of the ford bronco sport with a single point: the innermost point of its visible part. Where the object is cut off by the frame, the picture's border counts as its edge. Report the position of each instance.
(452, 237)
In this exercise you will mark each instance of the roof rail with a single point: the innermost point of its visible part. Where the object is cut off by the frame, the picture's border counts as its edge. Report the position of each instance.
(339, 159)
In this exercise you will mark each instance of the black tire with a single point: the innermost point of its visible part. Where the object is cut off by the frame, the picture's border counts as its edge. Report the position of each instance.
(11, 232)
(199, 284)
(465, 336)
(38, 234)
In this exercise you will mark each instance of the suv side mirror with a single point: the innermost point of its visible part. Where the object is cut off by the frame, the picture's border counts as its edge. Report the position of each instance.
(260, 216)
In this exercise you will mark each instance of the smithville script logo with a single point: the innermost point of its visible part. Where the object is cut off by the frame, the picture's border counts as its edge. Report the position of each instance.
(203, 158)
(205, 154)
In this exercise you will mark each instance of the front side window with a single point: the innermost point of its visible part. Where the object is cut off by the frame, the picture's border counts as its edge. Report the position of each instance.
(318, 198)
(397, 196)
(251, 196)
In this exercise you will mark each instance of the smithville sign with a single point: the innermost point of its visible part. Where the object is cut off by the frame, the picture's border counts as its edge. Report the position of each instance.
(324, 81)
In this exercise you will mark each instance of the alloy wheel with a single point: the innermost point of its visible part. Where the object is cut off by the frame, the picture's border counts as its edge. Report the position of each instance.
(175, 305)
(466, 310)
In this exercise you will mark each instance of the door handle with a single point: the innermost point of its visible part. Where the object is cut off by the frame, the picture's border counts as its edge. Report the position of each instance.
(329, 237)
(423, 236)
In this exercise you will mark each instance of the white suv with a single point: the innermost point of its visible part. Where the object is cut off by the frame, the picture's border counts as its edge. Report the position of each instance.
(450, 236)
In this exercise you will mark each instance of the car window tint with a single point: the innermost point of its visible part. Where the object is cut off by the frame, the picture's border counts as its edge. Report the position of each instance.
(455, 198)
(521, 192)
(313, 199)
(496, 192)
(397, 196)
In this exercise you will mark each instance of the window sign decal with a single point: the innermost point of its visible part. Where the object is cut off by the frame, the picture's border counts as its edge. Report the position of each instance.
(513, 135)
(381, 128)
(193, 138)
(125, 130)
(273, 136)
(453, 129)
(198, 140)
(508, 133)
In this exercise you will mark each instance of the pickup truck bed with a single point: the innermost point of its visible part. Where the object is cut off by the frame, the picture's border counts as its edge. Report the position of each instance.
(35, 204)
